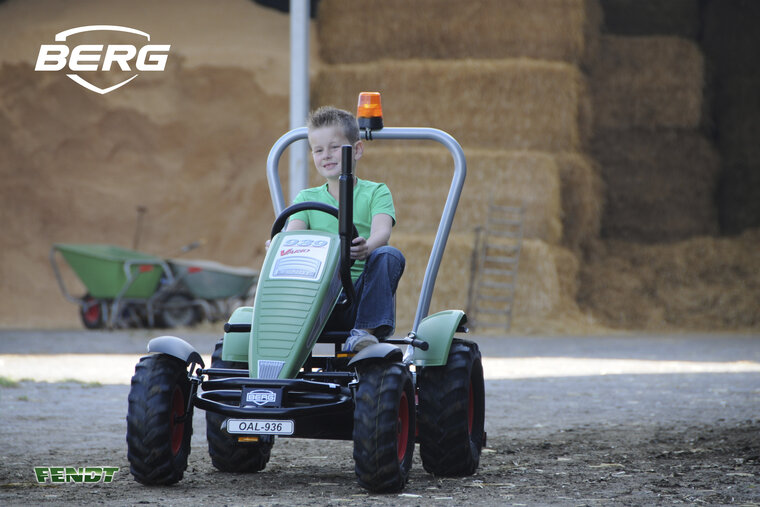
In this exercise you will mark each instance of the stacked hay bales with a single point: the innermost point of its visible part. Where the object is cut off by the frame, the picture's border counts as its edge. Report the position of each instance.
(660, 184)
(660, 173)
(647, 82)
(702, 283)
(730, 40)
(660, 265)
(74, 166)
(557, 30)
(582, 197)
(680, 18)
(504, 78)
(517, 103)
(420, 180)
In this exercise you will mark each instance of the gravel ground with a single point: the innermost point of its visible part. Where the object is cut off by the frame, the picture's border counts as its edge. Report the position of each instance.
(624, 420)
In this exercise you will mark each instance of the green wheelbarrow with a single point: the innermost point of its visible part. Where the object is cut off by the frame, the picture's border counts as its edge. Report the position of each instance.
(127, 288)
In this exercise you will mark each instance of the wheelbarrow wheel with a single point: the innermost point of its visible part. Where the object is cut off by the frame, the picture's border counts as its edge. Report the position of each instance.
(228, 455)
(452, 412)
(159, 420)
(91, 313)
(177, 310)
(384, 427)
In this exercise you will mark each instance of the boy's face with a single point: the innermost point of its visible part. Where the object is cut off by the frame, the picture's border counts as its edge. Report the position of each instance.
(325, 143)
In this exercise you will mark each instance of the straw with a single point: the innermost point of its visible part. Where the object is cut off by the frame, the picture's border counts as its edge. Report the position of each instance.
(563, 30)
(660, 185)
(505, 104)
(650, 82)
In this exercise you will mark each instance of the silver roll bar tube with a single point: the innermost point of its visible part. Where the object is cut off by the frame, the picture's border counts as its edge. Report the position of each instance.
(447, 217)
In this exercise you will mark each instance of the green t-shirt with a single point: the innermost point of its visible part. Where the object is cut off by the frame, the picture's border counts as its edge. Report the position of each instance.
(370, 198)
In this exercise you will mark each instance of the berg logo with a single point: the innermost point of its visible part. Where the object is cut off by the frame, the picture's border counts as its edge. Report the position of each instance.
(261, 397)
(100, 57)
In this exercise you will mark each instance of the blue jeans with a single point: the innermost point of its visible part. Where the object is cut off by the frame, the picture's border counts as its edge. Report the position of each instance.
(375, 306)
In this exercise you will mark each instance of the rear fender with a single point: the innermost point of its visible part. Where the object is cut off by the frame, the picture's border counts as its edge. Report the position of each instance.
(175, 347)
(438, 331)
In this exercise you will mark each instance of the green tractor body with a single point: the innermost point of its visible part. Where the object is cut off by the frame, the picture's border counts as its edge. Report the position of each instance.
(298, 288)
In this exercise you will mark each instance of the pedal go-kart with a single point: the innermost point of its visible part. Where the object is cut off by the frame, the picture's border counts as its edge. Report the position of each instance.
(264, 382)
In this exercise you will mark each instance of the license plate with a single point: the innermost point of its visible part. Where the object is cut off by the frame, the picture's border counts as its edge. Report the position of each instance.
(259, 427)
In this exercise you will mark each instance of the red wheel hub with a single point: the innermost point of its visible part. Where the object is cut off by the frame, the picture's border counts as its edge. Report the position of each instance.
(92, 314)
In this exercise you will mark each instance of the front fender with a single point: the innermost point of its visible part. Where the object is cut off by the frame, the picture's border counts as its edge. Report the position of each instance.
(175, 347)
(384, 352)
(438, 331)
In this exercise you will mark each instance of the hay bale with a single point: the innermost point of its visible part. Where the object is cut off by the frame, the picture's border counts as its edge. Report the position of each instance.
(75, 166)
(652, 17)
(419, 179)
(703, 283)
(582, 194)
(660, 185)
(737, 118)
(452, 283)
(538, 285)
(648, 82)
(730, 37)
(738, 202)
(506, 104)
(447, 29)
(546, 284)
(546, 278)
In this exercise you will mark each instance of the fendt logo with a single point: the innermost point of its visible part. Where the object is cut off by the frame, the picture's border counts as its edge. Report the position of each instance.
(100, 57)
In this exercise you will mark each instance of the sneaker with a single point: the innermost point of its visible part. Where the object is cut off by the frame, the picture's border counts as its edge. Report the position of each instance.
(358, 340)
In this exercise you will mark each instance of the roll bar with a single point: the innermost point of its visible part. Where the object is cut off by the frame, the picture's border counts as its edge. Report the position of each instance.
(449, 209)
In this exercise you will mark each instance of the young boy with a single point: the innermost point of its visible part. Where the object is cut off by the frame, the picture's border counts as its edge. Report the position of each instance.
(378, 266)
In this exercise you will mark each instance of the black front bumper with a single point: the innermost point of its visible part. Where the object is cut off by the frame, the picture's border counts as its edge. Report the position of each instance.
(319, 409)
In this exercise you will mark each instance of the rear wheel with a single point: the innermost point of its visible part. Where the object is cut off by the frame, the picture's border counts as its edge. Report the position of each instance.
(227, 454)
(158, 436)
(452, 412)
(178, 311)
(91, 313)
(384, 427)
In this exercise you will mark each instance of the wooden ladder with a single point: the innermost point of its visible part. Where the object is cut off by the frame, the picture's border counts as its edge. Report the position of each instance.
(494, 277)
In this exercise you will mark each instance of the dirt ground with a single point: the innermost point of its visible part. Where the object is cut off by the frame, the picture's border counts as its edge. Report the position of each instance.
(624, 420)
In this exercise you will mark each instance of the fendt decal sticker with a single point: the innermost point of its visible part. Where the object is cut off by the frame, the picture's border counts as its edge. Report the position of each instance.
(101, 57)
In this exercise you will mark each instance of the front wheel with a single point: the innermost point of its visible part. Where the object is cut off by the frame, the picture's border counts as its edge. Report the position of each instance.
(452, 412)
(159, 421)
(227, 454)
(384, 427)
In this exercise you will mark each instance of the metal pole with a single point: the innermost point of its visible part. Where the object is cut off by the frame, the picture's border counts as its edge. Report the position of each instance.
(299, 92)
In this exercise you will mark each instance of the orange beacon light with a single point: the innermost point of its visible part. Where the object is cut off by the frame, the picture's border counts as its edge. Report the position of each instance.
(370, 111)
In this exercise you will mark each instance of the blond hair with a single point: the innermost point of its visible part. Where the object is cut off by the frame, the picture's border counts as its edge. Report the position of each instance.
(329, 116)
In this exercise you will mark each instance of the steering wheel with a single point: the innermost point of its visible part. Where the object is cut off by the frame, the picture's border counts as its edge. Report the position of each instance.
(345, 273)
(279, 222)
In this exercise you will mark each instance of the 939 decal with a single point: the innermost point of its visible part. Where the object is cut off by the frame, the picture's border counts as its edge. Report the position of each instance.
(305, 243)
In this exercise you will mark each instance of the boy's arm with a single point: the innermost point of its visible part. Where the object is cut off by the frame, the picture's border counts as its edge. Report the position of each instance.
(295, 224)
(380, 233)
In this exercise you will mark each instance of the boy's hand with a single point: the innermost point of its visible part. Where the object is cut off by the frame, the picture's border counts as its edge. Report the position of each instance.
(359, 248)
